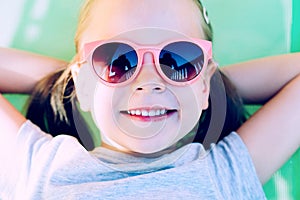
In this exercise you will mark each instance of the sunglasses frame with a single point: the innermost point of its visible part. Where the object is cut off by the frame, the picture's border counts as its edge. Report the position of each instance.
(89, 48)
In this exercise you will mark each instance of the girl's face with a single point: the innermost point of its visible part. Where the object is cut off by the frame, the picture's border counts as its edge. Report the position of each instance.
(122, 113)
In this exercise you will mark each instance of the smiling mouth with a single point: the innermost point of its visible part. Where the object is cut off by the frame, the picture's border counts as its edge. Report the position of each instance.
(149, 114)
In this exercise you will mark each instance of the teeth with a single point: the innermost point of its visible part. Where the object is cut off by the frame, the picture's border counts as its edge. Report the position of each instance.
(148, 113)
(152, 113)
(157, 112)
(138, 112)
(145, 113)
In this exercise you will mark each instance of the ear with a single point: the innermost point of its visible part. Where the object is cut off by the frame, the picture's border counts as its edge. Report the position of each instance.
(75, 71)
(207, 74)
(85, 84)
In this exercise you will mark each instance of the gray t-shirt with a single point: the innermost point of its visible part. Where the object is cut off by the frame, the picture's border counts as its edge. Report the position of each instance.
(43, 167)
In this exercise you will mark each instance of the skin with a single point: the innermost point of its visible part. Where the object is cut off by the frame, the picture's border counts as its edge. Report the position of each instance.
(257, 81)
(271, 134)
(148, 91)
(14, 77)
(141, 17)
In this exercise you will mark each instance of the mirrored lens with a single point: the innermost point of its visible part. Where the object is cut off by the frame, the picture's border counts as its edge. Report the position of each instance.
(114, 62)
(181, 61)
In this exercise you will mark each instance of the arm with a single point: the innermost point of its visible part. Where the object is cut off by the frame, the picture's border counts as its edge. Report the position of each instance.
(21, 70)
(11, 121)
(272, 134)
(259, 80)
(11, 118)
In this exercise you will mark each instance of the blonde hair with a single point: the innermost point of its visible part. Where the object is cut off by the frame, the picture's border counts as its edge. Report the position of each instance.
(83, 20)
(57, 93)
(88, 5)
(205, 22)
(51, 106)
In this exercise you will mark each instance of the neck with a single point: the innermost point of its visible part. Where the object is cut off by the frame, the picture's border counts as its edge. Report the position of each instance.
(184, 141)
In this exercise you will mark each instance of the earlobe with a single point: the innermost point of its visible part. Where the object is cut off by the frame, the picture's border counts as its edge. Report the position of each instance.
(75, 71)
(211, 68)
(205, 94)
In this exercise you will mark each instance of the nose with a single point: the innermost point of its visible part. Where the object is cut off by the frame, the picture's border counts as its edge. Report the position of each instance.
(148, 79)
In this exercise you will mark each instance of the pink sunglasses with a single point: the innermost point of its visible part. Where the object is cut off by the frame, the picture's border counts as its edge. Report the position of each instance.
(118, 62)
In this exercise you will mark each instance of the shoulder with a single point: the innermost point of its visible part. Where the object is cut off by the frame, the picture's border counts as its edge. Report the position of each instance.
(230, 152)
(32, 137)
(230, 162)
(36, 152)
(33, 144)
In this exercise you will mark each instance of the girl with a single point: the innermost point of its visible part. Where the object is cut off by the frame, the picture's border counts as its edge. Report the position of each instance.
(148, 114)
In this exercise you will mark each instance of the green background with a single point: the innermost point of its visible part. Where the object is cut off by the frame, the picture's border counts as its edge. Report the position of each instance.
(243, 30)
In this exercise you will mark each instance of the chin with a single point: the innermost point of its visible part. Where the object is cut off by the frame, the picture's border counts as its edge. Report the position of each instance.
(147, 149)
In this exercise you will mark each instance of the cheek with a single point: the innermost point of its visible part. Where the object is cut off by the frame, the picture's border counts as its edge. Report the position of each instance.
(85, 86)
(102, 106)
(107, 103)
(191, 104)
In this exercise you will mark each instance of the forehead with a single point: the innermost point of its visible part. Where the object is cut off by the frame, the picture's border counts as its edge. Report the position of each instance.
(108, 18)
